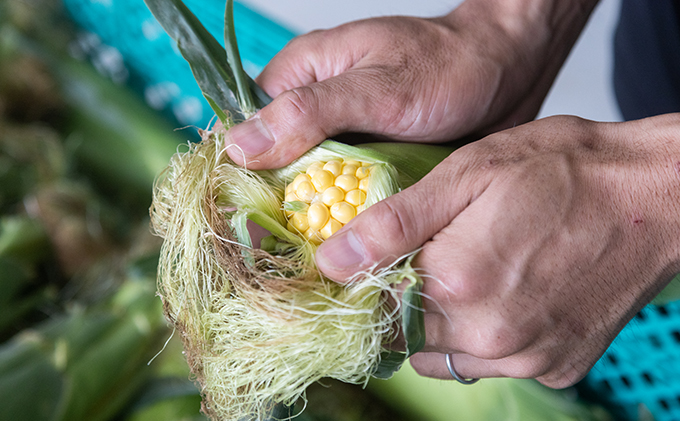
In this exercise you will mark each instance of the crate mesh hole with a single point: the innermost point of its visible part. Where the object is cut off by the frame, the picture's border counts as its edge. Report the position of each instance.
(676, 336)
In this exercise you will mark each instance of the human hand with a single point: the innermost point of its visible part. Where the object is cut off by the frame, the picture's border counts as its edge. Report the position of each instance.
(486, 66)
(538, 244)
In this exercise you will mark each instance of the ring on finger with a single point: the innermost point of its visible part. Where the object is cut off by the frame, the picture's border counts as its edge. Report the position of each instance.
(455, 375)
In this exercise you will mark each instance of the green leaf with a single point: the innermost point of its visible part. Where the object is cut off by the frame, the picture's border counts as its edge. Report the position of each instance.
(207, 58)
(296, 206)
(390, 363)
(234, 59)
(224, 118)
(670, 293)
(413, 316)
(412, 323)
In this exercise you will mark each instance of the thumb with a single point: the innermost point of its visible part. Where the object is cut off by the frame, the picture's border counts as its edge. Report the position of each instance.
(388, 230)
(300, 118)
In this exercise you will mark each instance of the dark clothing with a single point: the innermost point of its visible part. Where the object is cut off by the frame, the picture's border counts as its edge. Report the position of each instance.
(647, 58)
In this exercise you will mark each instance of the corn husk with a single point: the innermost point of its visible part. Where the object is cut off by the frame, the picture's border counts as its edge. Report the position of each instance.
(259, 327)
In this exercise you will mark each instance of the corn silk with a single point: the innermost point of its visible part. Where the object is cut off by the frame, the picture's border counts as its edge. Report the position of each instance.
(259, 327)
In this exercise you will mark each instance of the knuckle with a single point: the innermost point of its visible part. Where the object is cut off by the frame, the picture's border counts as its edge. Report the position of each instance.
(530, 368)
(296, 113)
(298, 103)
(395, 224)
(496, 342)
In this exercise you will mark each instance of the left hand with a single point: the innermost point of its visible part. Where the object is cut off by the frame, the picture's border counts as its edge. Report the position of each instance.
(539, 244)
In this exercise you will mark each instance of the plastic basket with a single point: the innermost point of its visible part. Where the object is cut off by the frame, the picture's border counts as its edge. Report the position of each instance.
(639, 375)
(125, 42)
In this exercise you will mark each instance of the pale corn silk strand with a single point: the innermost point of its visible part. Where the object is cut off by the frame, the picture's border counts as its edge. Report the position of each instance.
(257, 329)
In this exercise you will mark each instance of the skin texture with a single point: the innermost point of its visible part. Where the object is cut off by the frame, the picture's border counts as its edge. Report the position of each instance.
(469, 73)
(540, 241)
(548, 238)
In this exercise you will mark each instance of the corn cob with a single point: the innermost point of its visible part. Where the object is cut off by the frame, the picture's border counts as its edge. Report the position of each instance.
(258, 321)
(325, 197)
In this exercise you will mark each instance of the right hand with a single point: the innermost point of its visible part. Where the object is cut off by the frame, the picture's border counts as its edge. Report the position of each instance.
(477, 70)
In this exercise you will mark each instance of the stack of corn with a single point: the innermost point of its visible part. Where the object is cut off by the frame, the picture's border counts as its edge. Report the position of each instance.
(79, 320)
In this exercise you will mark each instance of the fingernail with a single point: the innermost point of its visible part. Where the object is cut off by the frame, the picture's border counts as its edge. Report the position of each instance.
(252, 136)
(340, 252)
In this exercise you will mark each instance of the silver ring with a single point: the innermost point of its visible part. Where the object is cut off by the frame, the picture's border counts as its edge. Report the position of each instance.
(456, 376)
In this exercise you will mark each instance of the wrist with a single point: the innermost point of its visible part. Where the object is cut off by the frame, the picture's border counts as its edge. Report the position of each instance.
(650, 191)
(528, 22)
(528, 40)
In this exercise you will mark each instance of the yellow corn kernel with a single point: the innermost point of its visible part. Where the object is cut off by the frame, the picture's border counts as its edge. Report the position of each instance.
(300, 179)
(313, 236)
(300, 222)
(332, 195)
(347, 182)
(352, 162)
(305, 191)
(317, 215)
(362, 172)
(322, 180)
(335, 167)
(335, 192)
(331, 227)
(343, 212)
(349, 169)
(290, 227)
(312, 169)
(292, 197)
(355, 197)
(363, 185)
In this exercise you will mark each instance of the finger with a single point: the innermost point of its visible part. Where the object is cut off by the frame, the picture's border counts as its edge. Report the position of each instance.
(298, 64)
(431, 364)
(397, 225)
(303, 117)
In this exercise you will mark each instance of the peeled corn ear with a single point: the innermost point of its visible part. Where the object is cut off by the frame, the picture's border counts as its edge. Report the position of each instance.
(261, 324)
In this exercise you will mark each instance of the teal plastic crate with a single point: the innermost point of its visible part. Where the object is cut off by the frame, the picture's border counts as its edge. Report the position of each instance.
(639, 375)
(126, 43)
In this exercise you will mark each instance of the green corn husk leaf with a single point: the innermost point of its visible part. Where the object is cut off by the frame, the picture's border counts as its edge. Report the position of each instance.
(208, 61)
(258, 328)
(670, 293)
